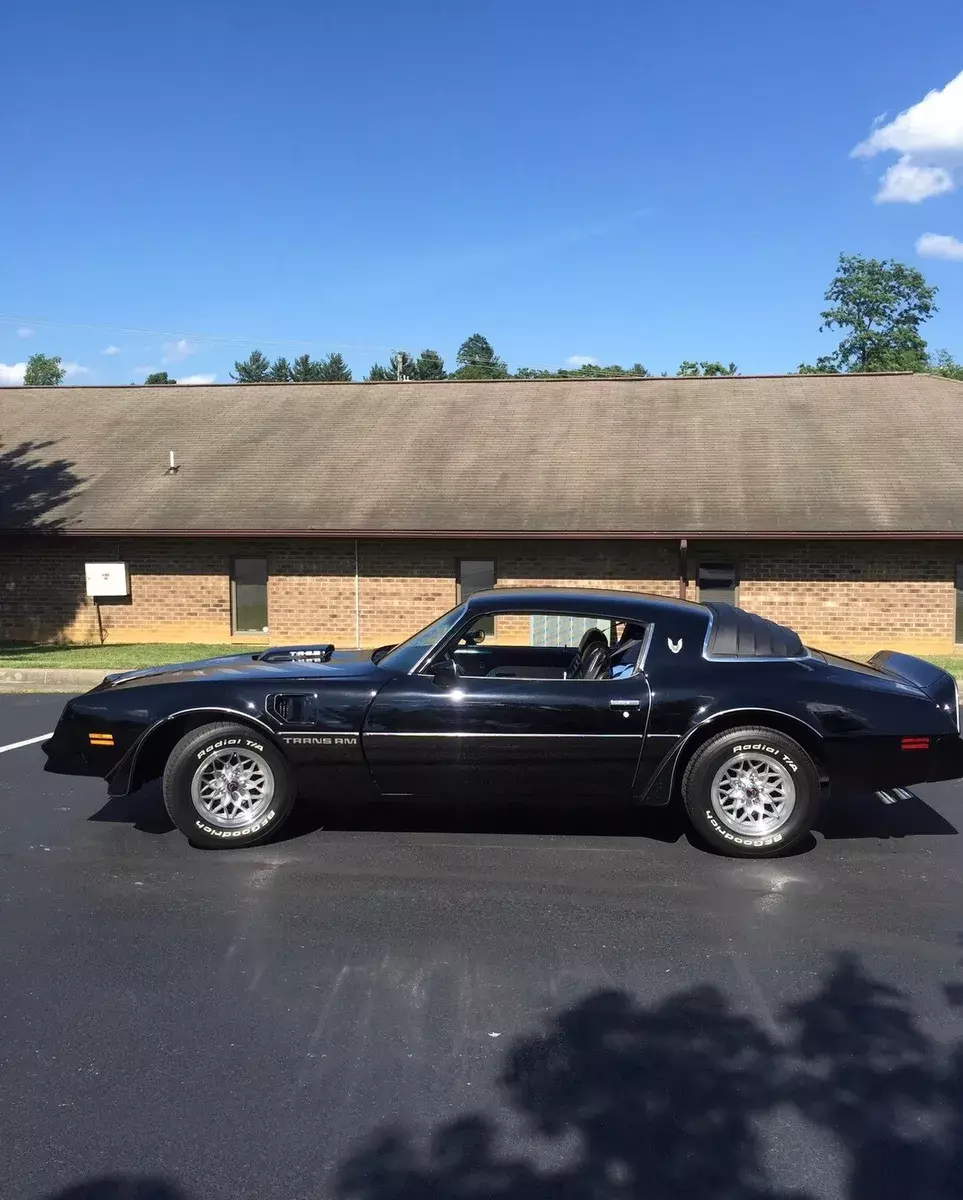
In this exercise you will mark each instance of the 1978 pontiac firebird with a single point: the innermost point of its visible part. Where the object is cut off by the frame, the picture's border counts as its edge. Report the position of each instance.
(529, 693)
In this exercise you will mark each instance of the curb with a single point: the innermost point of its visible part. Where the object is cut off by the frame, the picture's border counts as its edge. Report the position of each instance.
(51, 679)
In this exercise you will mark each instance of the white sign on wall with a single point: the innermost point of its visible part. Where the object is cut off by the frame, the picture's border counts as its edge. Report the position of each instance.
(107, 579)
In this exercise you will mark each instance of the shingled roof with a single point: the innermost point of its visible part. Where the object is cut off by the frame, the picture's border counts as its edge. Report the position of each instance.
(797, 454)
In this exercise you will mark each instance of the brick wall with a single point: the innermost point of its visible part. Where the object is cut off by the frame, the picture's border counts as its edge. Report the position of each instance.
(854, 595)
(848, 595)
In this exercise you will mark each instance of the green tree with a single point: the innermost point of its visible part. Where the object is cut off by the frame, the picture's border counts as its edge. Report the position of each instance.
(880, 306)
(254, 369)
(430, 365)
(43, 371)
(158, 377)
(305, 369)
(477, 360)
(946, 365)
(823, 365)
(585, 371)
(703, 369)
(280, 371)
(334, 369)
(401, 365)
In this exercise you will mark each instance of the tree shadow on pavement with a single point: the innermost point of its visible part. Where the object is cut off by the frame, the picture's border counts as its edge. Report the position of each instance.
(615, 1100)
(671, 1101)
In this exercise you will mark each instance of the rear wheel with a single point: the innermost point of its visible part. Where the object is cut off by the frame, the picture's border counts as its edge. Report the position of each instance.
(751, 793)
(226, 785)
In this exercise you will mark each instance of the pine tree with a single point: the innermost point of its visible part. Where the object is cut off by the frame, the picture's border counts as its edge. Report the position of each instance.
(254, 369)
(430, 365)
(280, 371)
(380, 374)
(334, 369)
(305, 369)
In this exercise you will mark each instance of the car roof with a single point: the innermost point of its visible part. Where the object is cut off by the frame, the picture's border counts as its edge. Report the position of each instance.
(606, 601)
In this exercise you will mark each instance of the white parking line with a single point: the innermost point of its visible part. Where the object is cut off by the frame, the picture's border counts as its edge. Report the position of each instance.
(27, 742)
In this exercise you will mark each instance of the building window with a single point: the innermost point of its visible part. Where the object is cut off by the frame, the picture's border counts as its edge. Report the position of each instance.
(476, 575)
(959, 602)
(249, 578)
(718, 582)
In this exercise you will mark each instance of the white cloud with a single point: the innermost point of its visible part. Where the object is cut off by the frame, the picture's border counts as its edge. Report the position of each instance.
(12, 373)
(111, 350)
(175, 352)
(190, 379)
(905, 183)
(72, 370)
(934, 125)
(940, 245)
(24, 331)
(929, 139)
(581, 360)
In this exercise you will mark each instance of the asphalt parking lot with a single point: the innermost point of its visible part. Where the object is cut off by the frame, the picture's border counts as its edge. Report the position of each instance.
(429, 1001)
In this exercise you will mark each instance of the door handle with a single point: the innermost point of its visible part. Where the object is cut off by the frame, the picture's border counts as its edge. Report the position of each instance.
(625, 703)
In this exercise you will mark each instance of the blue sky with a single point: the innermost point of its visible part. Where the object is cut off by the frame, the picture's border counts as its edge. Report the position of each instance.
(622, 181)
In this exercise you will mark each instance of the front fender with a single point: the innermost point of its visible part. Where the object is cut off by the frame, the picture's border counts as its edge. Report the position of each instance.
(137, 765)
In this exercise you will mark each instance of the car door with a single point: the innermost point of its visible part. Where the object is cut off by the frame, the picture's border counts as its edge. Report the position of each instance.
(506, 736)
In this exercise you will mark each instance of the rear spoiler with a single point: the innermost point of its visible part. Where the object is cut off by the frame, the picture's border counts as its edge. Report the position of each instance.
(319, 653)
(938, 684)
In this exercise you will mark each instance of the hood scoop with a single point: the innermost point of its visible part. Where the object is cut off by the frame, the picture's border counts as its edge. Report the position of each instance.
(318, 654)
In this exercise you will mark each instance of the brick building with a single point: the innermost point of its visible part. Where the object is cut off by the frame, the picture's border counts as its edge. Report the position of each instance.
(358, 512)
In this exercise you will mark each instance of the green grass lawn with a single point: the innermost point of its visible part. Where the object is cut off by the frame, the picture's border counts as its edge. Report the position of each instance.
(119, 655)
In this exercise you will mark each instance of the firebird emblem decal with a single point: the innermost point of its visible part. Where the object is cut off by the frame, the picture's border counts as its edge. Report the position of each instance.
(675, 647)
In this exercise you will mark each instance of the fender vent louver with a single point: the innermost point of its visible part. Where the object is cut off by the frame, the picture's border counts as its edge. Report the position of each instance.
(319, 653)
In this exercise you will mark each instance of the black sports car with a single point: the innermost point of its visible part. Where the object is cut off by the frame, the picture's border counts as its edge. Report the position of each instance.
(527, 693)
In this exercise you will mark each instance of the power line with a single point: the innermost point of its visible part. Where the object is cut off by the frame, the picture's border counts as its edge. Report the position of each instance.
(196, 337)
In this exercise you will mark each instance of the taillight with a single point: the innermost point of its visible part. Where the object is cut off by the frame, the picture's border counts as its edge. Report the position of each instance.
(915, 743)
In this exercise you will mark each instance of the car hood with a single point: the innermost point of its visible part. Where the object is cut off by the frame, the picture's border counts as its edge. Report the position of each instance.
(240, 667)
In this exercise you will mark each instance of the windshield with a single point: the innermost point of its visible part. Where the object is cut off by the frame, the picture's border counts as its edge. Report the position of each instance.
(409, 654)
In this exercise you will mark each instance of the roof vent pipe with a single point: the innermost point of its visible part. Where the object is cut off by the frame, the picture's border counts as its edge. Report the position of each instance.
(173, 467)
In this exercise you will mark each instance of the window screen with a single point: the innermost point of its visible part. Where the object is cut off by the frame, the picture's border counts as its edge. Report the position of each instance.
(559, 629)
(718, 582)
(476, 575)
(959, 603)
(249, 595)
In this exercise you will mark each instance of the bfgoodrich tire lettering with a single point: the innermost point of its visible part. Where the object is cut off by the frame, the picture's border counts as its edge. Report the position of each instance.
(193, 782)
(751, 793)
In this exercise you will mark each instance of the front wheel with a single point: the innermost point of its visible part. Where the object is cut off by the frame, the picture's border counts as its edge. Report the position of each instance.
(226, 785)
(751, 793)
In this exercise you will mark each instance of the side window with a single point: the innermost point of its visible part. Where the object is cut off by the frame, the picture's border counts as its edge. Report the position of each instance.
(249, 578)
(958, 636)
(550, 646)
(719, 582)
(476, 575)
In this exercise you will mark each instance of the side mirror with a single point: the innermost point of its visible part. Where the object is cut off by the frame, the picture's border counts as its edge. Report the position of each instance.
(444, 672)
(475, 637)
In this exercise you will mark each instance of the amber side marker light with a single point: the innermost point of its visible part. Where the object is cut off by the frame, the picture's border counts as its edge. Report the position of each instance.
(101, 739)
(915, 743)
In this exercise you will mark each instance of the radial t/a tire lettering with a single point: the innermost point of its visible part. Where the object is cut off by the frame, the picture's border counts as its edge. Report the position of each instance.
(751, 793)
(227, 785)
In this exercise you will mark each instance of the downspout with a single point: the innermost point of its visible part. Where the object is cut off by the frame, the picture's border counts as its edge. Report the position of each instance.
(357, 597)
(683, 568)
